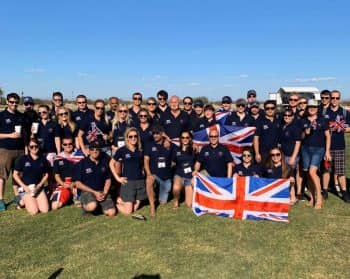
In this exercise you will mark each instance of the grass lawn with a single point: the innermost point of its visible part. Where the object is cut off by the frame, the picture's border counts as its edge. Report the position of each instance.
(175, 245)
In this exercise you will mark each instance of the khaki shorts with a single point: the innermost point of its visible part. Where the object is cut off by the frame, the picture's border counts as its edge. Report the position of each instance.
(7, 161)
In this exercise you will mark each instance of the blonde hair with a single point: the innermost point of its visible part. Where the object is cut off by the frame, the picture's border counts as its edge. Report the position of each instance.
(71, 124)
(116, 120)
(126, 134)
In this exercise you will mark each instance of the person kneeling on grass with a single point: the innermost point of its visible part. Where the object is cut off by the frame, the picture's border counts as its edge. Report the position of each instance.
(31, 173)
(92, 176)
(63, 171)
(129, 159)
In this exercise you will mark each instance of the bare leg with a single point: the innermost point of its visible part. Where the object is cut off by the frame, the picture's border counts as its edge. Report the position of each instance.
(177, 187)
(125, 208)
(30, 204)
(188, 195)
(317, 187)
(150, 194)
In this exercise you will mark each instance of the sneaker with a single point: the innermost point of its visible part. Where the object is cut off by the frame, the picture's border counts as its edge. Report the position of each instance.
(325, 194)
(2, 206)
(346, 196)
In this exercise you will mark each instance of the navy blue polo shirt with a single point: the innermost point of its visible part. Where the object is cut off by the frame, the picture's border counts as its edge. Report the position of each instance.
(65, 132)
(91, 174)
(175, 126)
(316, 138)
(110, 115)
(146, 136)
(63, 167)
(203, 123)
(160, 160)
(184, 162)
(79, 116)
(134, 116)
(132, 163)
(272, 172)
(288, 136)
(119, 131)
(268, 132)
(46, 136)
(8, 121)
(32, 170)
(91, 129)
(194, 120)
(234, 120)
(252, 170)
(155, 119)
(338, 138)
(214, 159)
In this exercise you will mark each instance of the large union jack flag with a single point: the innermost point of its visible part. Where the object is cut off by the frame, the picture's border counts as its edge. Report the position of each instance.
(242, 198)
(233, 137)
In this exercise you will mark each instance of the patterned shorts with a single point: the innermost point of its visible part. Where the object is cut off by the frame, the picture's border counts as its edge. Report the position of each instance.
(338, 161)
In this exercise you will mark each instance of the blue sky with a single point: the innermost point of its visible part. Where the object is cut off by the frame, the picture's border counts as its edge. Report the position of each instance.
(196, 48)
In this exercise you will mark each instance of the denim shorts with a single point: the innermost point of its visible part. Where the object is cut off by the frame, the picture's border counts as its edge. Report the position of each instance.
(164, 188)
(312, 156)
(185, 181)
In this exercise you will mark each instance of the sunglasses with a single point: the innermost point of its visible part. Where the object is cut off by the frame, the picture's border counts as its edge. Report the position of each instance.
(335, 98)
(213, 137)
(250, 96)
(81, 102)
(143, 116)
(67, 144)
(302, 103)
(241, 105)
(324, 98)
(187, 103)
(151, 104)
(275, 154)
(13, 102)
(132, 137)
(226, 103)
(100, 108)
(287, 115)
(269, 108)
(63, 113)
(185, 137)
(42, 112)
(28, 104)
(125, 111)
(161, 98)
(33, 146)
(293, 100)
(137, 98)
(246, 155)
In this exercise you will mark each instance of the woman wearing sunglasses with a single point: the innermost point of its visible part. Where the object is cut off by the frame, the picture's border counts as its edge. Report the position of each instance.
(144, 127)
(151, 106)
(49, 142)
(127, 168)
(184, 157)
(120, 123)
(275, 165)
(95, 129)
(31, 173)
(66, 127)
(247, 167)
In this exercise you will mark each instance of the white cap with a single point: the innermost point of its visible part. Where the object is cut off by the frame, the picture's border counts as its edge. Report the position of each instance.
(312, 103)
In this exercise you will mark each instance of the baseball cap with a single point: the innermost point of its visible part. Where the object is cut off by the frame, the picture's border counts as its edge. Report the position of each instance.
(226, 99)
(198, 103)
(210, 107)
(255, 104)
(28, 99)
(241, 101)
(251, 92)
(312, 103)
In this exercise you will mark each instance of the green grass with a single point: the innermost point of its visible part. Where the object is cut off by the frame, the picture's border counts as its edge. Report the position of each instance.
(176, 245)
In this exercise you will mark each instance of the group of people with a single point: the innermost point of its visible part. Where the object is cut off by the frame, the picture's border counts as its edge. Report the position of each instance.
(115, 160)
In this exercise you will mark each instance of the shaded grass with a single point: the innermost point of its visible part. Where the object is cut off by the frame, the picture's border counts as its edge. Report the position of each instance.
(176, 245)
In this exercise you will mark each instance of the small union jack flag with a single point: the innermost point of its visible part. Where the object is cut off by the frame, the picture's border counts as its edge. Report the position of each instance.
(339, 125)
(242, 198)
(93, 133)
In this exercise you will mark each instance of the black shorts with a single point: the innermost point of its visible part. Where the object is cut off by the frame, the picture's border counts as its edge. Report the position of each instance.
(132, 191)
(87, 197)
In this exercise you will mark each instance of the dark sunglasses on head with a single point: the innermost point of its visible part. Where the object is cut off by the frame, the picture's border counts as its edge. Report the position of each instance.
(13, 102)
(67, 144)
(33, 146)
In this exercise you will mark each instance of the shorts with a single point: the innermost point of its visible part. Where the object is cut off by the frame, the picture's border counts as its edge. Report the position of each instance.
(312, 156)
(7, 161)
(133, 191)
(61, 194)
(87, 197)
(164, 188)
(185, 181)
(287, 158)
(338, 162)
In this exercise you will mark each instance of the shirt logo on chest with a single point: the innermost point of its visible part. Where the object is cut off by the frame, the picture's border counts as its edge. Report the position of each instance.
(27, 164)
(60, 163)
(168, 121)
(8, 120)
(154, 148)
(127, 156)
(206, 153)
(77, 118)
(265, 127)
(88, 170)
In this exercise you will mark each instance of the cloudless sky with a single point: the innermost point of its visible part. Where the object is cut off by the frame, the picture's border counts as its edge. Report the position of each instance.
(192, 47)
